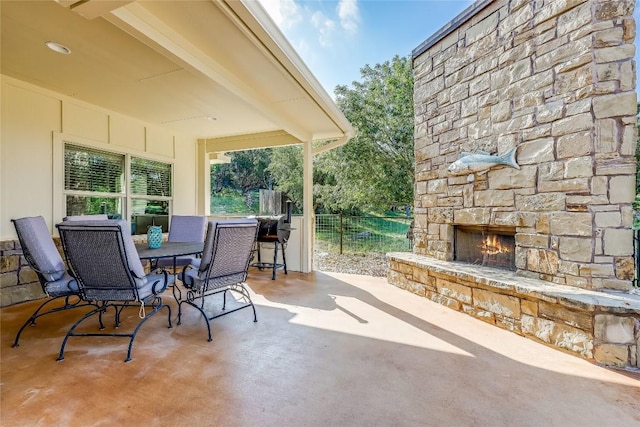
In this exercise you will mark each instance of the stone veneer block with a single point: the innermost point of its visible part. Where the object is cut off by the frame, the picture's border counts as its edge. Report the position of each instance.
(529, 307)
(581, 320)
(497, 303)
(612, 355)
(614, 329)
(615, 105)
(571, 224)
(618, 242)
(453, 290)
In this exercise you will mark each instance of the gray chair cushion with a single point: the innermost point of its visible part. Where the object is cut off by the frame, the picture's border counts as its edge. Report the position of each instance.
(154, 280)
(190, 278)
(97, 217)
(35, 235)
(168, 262)
(63, 286)
(186, 228)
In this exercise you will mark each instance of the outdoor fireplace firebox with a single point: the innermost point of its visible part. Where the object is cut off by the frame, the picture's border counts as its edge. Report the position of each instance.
(487, 246)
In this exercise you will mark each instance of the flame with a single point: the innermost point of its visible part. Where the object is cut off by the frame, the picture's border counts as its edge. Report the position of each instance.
(491, 246)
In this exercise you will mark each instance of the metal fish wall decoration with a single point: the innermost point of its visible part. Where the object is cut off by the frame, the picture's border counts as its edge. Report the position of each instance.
(480, 162)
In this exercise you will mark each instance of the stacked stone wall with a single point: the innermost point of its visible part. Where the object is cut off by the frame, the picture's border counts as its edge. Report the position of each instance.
(600, 327)
(18, 282)
(556, 80)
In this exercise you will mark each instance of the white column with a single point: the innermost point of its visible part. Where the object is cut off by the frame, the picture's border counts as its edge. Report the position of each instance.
(203, 180)
(308, 215)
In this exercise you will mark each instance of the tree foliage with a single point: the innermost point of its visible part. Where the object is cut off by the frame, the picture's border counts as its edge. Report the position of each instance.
(286, 169)
(373, 171)
(246, 172)
(376, 168)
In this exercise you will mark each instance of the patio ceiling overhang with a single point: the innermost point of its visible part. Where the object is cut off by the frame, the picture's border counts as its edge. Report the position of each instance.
(219, 71)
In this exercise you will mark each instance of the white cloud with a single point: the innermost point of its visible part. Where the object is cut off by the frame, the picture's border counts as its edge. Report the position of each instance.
(285, 13)
(349, 14)
(325, 27)
(312, 22)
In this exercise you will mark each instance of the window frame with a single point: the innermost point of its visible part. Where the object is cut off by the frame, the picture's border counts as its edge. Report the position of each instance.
(60, 193)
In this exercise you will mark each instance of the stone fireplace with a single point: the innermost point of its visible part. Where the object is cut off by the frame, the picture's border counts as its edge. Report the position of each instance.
(545, 247)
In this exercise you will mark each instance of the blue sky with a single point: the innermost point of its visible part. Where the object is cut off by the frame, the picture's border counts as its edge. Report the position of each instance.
(337, 38)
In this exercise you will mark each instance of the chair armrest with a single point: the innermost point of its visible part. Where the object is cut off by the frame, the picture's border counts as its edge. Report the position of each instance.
(164, 287)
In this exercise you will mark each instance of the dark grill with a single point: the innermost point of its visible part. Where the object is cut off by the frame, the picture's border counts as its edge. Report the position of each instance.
(274, 229)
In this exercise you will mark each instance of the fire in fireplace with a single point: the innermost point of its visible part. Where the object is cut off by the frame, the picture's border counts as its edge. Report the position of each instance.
(488, 246)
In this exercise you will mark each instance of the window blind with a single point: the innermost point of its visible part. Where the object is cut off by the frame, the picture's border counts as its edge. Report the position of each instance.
(88, 169)
(150, 178)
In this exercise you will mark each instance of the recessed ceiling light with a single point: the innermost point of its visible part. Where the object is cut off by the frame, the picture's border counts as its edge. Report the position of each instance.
(57, 47)
(212, 118)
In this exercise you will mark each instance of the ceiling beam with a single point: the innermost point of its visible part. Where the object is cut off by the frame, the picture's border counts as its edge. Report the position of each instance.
(91, 9)
(250, 141)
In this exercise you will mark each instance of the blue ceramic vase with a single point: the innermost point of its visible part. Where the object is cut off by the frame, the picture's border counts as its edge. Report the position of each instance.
(154, 236)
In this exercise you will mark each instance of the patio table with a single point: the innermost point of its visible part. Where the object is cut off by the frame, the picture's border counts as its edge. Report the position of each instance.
(170, 250)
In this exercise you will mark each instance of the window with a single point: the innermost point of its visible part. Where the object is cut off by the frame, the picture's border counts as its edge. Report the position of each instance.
(150, 194)
(95, 182)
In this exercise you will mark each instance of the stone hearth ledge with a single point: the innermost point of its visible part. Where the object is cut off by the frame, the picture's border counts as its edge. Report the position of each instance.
(599, 326)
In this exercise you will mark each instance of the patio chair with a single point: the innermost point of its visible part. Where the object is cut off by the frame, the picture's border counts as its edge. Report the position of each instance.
(223, 267)
(43, 257)
(183, 228)
(105, 263)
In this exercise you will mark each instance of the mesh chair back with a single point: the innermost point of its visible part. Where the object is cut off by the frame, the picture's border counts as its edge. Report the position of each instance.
(38, 248)
(185, 228)
(103, 258)
(227, 252)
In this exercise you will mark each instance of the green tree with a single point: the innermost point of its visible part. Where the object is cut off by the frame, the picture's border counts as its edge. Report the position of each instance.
(375, 169)
(286, 168)
(246, 172)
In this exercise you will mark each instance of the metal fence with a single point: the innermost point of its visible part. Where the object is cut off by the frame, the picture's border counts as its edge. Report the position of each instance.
(636, 256)
(360, 234)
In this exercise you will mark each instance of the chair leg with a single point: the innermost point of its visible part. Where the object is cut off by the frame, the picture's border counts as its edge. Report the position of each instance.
(175, 287)
(36, 314)
(201, 310)
(259, 259)
(32, 320)
(192, 297)
(157, 306)
(101, 309)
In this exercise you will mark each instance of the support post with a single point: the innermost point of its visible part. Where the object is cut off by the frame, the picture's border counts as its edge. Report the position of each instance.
(308, 215)
(203, 180)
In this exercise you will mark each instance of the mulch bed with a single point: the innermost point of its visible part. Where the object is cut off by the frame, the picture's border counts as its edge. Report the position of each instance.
(370, 264)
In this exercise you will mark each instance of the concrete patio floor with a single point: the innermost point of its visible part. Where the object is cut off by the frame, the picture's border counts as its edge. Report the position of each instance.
(327, 350)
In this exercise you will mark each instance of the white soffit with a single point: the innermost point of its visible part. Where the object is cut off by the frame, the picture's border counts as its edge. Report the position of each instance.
(177, 64)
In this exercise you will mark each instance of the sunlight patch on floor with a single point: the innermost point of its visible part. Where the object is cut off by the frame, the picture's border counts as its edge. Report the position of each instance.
(352, 316)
